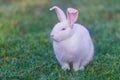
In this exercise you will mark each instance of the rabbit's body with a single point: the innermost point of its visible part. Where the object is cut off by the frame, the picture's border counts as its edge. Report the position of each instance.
(72, 45)
(67, 52)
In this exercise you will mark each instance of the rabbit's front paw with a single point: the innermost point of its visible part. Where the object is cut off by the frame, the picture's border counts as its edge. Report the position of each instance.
(76, 66)
(65, 66)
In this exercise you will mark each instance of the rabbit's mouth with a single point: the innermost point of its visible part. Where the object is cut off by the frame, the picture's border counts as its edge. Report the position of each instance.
(53, 39)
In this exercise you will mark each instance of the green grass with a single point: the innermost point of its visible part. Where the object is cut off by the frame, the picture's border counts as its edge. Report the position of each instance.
(25, 47)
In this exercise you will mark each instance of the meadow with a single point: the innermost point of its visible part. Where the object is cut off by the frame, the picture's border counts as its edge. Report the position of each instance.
(26, 51)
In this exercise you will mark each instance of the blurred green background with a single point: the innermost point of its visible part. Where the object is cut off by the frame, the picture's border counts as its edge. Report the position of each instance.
(25, 47)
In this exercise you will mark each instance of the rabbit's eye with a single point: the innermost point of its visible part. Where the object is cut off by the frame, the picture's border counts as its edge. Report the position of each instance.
(63, 29)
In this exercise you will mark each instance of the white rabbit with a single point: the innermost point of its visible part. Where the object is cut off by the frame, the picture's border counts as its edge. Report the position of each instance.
(72, 43)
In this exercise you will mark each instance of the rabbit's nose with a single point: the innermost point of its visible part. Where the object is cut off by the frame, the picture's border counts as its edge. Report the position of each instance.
(51, 35)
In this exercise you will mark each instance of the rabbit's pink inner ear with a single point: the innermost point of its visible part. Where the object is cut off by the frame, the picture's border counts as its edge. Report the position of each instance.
(72, 15)
(60, 14)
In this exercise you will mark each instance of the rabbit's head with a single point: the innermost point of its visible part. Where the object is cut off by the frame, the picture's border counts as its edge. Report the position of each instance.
(64, 28)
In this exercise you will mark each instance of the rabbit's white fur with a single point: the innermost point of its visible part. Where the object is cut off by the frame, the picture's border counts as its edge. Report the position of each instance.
(72, 45)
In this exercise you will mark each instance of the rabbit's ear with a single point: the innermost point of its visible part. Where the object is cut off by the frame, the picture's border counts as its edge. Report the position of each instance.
(60, 14)
(72, 15)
